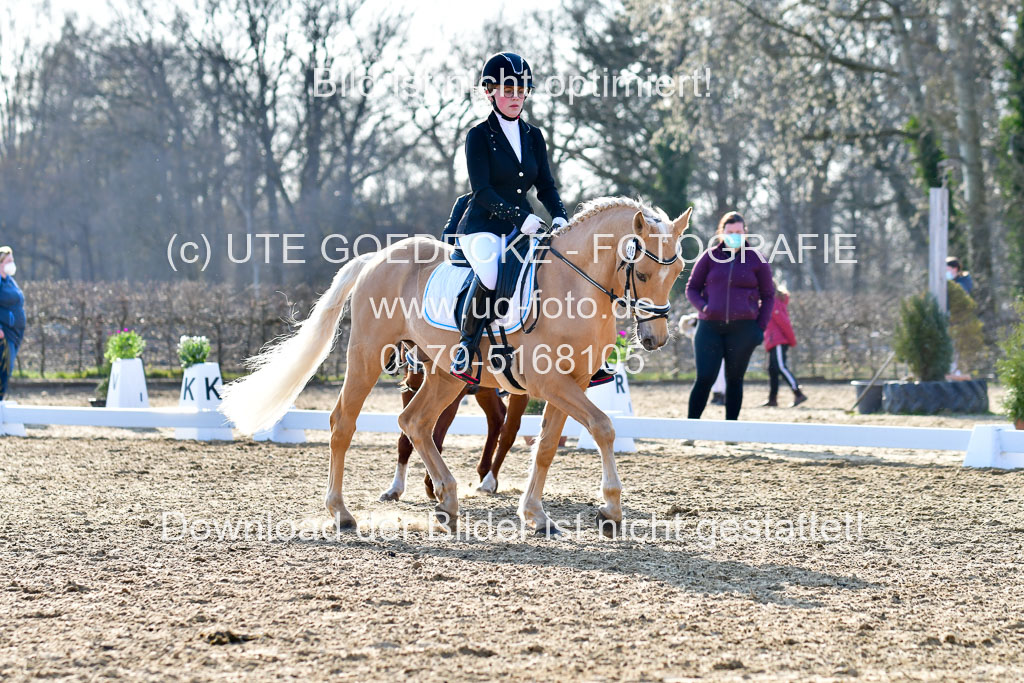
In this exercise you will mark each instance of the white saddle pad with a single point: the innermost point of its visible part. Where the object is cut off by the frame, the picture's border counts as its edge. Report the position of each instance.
(439, 298)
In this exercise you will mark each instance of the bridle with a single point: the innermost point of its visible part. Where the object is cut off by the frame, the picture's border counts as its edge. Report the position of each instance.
(633, 304)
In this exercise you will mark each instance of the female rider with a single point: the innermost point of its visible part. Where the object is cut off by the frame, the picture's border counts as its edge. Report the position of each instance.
(506, 157)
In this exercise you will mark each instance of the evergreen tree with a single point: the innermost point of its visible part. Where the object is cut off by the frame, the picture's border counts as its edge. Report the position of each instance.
(927, 155)
(1010, 171)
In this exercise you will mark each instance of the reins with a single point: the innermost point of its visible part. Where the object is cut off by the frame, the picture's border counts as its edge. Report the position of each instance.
(635, 305)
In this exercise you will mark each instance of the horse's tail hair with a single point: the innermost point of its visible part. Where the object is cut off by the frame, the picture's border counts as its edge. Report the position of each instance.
(283, 367)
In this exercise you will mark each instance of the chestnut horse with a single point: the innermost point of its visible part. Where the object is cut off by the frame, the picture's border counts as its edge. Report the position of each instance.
(502, 429)
(614, 250)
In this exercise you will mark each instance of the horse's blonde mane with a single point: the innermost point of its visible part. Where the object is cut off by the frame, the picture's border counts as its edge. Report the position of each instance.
(653, 215)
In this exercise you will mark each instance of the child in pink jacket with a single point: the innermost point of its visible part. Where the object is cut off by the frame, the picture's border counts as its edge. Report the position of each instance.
(778, 337)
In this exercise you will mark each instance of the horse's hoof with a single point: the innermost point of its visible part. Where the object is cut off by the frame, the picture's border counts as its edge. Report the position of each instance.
(446, 521)
(608, 527)
(488, 485)
(390, 495)
(429, 486)
(347, 524)
(549, 530)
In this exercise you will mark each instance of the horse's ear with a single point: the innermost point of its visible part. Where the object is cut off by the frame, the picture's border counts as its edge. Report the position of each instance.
(639, 224)
(680, 224)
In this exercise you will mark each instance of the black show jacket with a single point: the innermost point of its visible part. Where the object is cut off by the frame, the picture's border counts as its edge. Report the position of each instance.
(500, 181)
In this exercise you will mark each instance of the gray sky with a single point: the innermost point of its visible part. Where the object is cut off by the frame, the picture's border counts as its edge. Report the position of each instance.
(429, 23)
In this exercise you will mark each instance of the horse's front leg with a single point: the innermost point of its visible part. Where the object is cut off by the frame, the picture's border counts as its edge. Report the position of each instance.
(531, 507)
(494, 409)
(444, 422)
(571, 398)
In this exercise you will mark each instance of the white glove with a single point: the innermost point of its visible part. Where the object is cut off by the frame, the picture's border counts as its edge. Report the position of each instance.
(558, 222)
(532, 225)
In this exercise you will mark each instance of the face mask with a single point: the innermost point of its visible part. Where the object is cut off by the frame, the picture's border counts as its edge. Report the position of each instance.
(949, 275)
(10, 268)
(733, 240)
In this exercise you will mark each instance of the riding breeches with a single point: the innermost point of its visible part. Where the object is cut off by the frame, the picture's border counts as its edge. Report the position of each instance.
(484, 251)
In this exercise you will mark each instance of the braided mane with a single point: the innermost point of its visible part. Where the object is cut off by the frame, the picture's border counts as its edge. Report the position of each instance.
(655, 216)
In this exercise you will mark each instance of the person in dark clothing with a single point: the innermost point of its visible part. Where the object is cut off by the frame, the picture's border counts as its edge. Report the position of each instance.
(12, 318)
(505, 157)
(731, 288)
(958, 275)
(778, 338)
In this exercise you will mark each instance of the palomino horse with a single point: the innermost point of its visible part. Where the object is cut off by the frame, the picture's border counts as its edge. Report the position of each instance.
(613, 250)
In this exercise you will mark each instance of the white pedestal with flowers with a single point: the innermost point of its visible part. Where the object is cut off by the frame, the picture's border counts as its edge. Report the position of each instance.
(126, 387)
(201, 384)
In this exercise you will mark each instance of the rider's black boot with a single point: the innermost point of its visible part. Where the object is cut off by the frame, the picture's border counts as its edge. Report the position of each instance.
(475, 317)
(604, 374)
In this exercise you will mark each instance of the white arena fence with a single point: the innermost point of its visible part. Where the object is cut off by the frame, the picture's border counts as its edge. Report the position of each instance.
(986, 445)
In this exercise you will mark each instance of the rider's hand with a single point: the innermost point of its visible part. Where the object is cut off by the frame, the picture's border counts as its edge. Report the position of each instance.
(559, 222)
(532, 225)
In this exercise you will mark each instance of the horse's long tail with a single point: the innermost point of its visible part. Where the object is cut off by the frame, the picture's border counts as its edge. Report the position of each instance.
(282, 369)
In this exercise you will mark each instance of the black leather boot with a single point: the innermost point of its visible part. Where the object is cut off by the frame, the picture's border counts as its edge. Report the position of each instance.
(604, 374)
(476, 314)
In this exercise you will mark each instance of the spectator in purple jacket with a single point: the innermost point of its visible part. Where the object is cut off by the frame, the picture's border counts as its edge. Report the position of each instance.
(731, 288)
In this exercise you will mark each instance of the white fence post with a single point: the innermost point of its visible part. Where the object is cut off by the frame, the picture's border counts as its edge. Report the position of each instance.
(938, 240)
(280, 433)
(613, 398)
(10, 428)
(999, 446)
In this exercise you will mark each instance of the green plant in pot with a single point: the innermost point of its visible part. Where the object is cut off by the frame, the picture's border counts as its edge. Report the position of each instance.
(620, 354)
(99, 398)
(922, 338)
(193, 350)
(1011, 369)
(535, 406)
(124, 345)
(965, 329)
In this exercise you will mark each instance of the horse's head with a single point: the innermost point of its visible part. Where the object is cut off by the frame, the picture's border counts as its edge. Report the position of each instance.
(655, 269)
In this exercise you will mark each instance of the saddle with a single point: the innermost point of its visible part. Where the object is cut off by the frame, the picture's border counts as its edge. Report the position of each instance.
(512, 283)
(517, 279)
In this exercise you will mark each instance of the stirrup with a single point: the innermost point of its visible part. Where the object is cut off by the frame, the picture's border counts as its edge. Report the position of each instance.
(462, 365)
(604, 374)
(393, 365)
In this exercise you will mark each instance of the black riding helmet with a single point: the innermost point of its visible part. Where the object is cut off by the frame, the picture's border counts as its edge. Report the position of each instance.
(506, 68)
